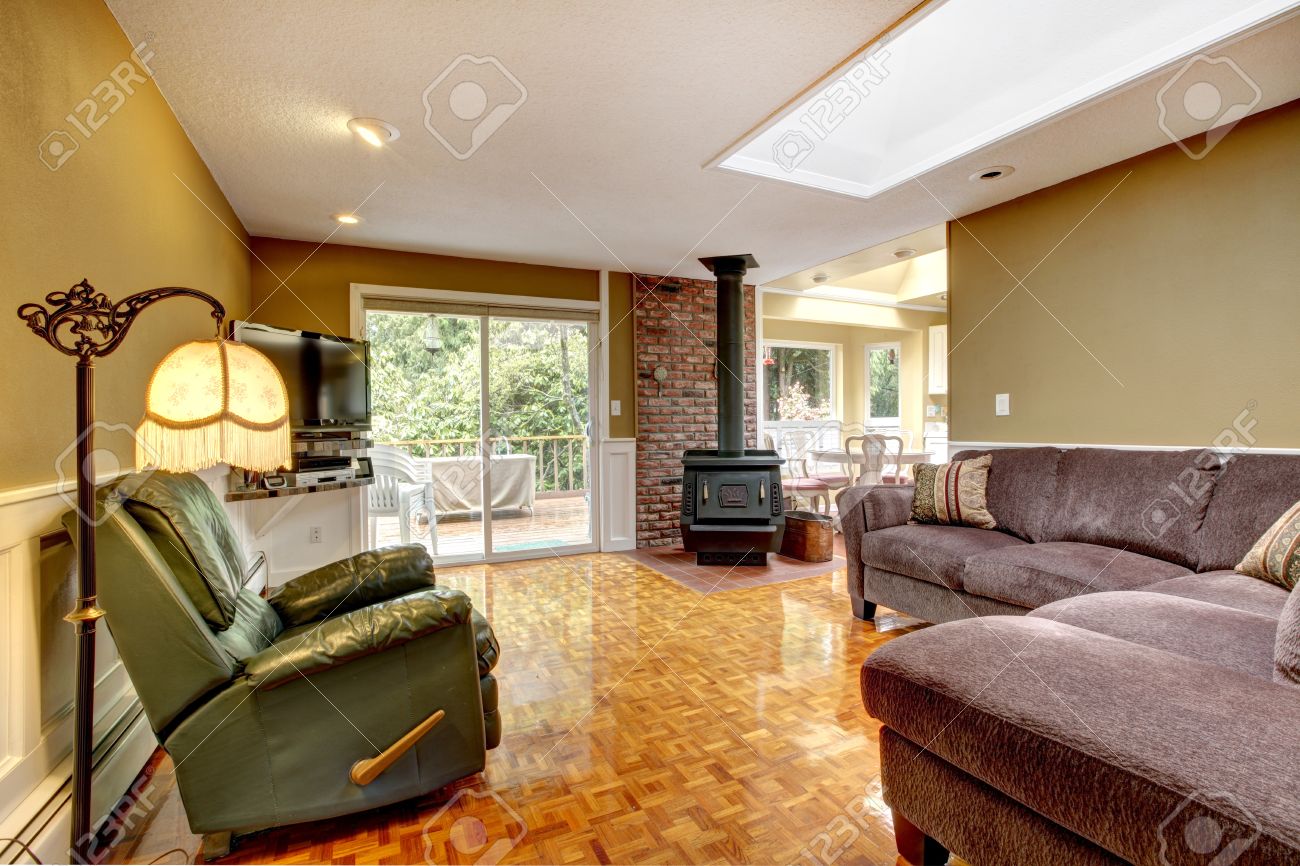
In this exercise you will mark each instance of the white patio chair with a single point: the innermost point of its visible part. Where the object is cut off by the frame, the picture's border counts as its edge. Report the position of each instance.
(400, 491)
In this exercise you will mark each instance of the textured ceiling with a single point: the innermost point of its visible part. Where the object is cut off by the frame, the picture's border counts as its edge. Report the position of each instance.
(601, 164)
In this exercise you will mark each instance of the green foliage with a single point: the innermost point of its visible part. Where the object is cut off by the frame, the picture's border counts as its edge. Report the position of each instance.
(798, 383)
(538, 387)
(884, 383)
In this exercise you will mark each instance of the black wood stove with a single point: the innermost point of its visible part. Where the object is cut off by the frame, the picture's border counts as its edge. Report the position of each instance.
(732, 505)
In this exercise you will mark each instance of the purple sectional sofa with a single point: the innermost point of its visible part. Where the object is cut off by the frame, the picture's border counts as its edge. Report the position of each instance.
(1102, 688)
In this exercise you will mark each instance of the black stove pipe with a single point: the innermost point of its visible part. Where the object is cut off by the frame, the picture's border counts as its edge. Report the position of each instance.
(729, 271)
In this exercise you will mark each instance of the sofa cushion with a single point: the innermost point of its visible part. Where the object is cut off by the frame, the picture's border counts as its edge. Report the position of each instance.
(1231, 638)
(936, 554)
(1021, 484)
(1035, 574)
(1229, 589)
(1149, 502)
(1286, 650)
(1251, 492)
(1276, 556)
(953, 494)
(1126, 745)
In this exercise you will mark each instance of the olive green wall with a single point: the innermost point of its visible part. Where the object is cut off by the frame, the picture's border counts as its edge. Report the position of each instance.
(1158, 320)
(316, 293)
(117, 212)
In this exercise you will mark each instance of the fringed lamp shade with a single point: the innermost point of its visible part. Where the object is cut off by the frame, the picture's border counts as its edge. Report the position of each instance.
(210, 402)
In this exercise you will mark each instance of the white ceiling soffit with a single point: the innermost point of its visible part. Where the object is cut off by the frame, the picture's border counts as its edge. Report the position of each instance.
(838, 271)
(961, 75)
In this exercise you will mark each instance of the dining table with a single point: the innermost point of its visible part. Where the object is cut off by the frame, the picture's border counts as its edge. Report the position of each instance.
(856, 462)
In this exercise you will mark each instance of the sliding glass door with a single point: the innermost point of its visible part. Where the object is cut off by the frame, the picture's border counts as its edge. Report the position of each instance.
(483, 416)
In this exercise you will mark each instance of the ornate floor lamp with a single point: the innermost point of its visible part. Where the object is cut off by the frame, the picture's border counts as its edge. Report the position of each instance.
(208, 402)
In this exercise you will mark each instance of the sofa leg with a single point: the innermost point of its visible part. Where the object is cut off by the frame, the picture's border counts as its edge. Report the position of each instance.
(862, 608)
(217, 845)
(914, 846)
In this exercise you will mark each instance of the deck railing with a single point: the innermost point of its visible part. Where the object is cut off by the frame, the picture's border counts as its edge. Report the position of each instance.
(562, 460)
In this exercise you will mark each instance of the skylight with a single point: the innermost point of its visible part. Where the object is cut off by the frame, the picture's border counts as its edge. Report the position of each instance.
(966, 73)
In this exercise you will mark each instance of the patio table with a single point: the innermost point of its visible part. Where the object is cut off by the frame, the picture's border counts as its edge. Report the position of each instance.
(456, 485)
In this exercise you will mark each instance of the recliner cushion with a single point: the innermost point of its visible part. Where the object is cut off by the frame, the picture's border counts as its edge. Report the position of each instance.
(184, 520)
(1021, 484)
(1038, 574)
(1230, 638)
(1227, 588)
(1148, 502)
(935, 554)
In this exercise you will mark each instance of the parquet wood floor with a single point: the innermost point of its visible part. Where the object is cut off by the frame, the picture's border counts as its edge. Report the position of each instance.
(645, 722)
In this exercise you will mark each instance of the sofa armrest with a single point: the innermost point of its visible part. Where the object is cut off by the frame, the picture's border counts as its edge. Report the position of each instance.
(1125, 745)
(373, 629)
(353, 583)
(868, 507)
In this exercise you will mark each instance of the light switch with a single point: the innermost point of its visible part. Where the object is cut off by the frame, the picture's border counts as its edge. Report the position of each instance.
(616, 407)
(1002, 404)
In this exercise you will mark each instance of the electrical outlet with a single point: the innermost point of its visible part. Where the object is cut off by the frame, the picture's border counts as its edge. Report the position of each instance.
(616, 407)
(1002, 404)
(313, 535)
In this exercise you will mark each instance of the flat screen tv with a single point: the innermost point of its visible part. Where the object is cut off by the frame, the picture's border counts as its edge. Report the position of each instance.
(328, 377)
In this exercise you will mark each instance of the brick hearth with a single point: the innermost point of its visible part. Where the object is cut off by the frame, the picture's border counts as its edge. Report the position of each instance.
(676, 329)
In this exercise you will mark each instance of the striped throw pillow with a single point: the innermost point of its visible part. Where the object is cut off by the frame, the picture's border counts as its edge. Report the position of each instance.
(1276, 556)
(953, 493)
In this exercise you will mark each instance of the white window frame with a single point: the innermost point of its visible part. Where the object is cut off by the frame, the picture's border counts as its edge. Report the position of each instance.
(892, 422)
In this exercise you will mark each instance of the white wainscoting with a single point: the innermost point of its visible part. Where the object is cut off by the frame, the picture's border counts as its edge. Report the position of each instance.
(618, 494)
(955, 445)
(37, 587)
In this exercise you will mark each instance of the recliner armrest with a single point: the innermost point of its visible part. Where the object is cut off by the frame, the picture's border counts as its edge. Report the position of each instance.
(373, 629)
(354, 583)
(871, 506)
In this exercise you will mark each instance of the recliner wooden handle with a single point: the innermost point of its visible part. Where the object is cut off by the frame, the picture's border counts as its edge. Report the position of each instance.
(367, 770)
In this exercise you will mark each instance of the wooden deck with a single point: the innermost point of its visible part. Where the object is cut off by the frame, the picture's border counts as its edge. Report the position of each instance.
(553, 523)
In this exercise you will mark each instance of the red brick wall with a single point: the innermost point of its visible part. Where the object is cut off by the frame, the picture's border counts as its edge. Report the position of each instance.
(676, 328)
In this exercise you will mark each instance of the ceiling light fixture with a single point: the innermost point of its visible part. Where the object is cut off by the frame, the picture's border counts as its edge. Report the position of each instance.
(904, 253)
(373, 131)
(993, 172)
(820, 278)
(347, 219)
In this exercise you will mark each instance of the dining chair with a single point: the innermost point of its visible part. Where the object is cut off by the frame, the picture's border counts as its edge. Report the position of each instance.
(877, 449)
(799, 484)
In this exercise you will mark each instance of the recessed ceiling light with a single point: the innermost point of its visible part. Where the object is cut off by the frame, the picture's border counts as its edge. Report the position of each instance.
(944, 296)
(904, 253)
(373, 131)
(348, 219)
(993, 172)
(820, 278)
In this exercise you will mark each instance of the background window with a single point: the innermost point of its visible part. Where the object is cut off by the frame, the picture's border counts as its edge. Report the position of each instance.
(882, 385)
(797, 382)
